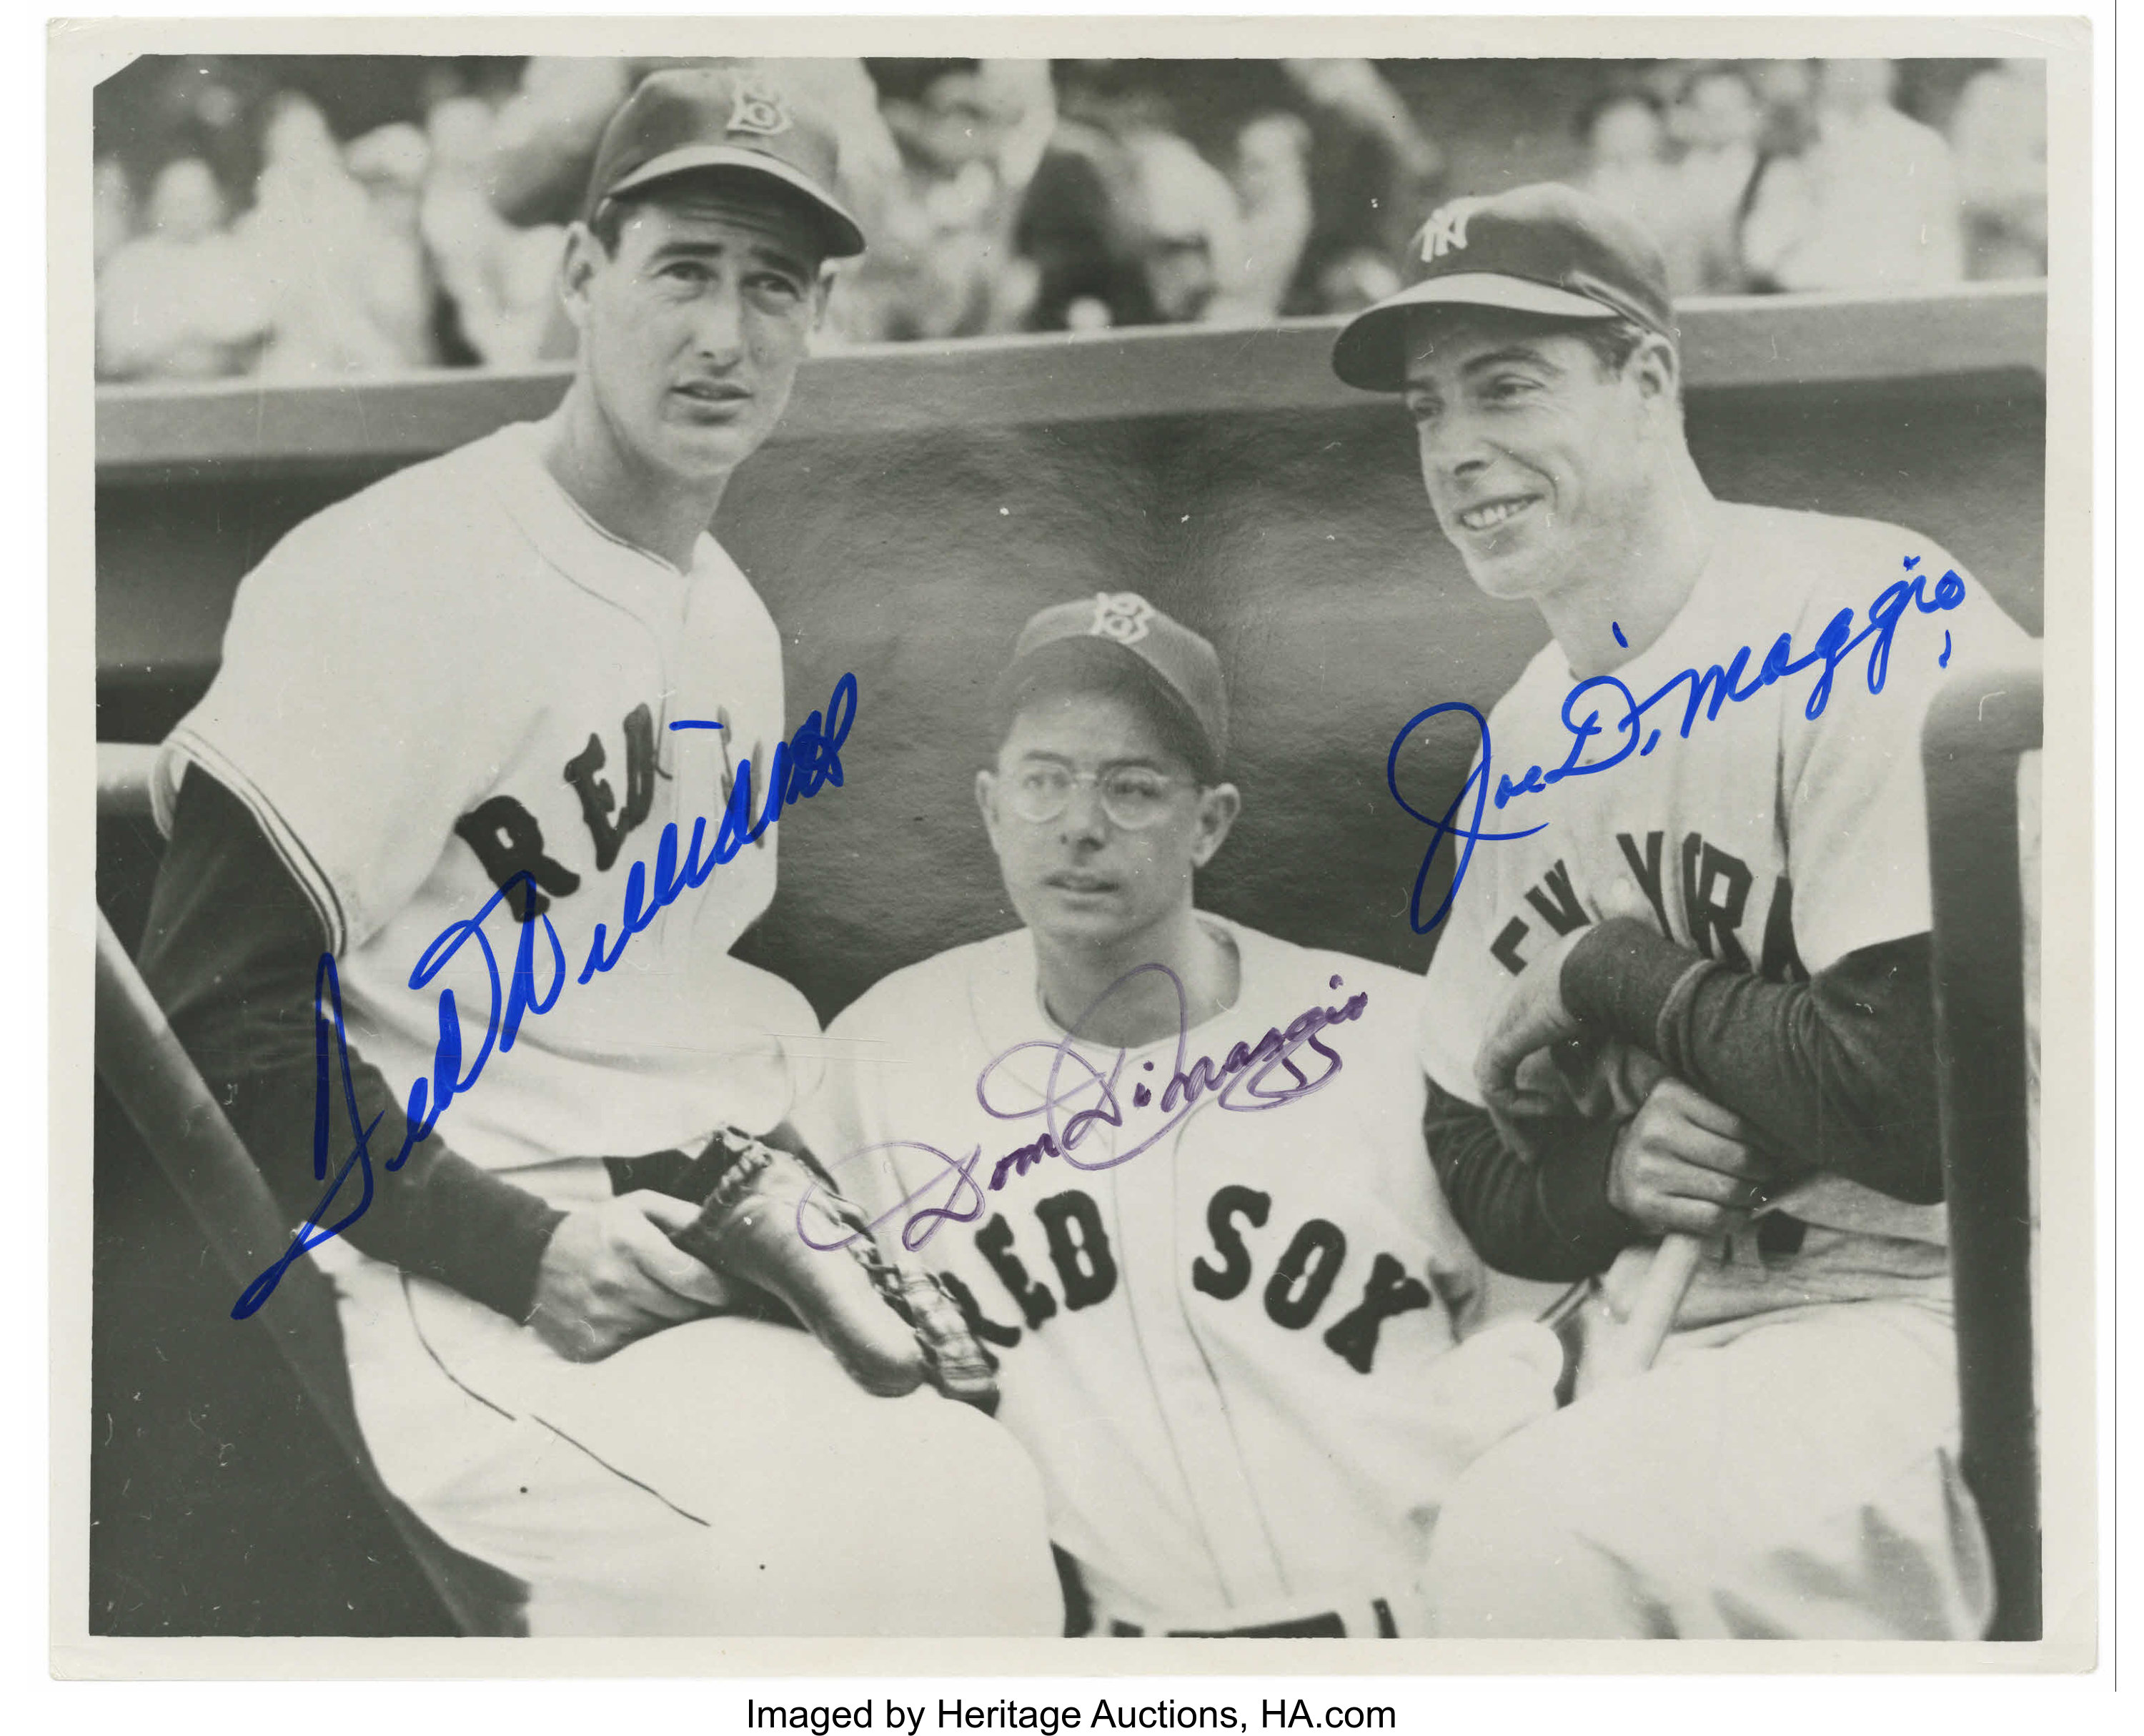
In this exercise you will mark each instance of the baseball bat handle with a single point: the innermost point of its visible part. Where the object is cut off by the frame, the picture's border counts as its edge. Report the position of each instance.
(1631, 1350)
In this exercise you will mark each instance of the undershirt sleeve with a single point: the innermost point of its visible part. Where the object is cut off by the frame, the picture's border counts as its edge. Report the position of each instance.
(1837, 1074)
(231, 951)
(1546, 1215)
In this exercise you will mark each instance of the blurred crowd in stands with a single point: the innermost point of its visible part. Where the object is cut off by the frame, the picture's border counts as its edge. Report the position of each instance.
(311, 217)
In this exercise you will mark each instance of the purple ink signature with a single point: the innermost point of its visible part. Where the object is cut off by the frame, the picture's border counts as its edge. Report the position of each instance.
(1249, 1077)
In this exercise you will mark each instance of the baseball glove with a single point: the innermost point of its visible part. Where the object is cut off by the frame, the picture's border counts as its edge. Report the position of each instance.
(891, 1327)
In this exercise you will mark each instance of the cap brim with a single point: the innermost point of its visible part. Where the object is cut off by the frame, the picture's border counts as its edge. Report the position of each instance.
(844, 235)
(1369, 352)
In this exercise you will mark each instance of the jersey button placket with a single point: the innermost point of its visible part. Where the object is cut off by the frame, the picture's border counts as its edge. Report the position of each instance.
(1194, 1409)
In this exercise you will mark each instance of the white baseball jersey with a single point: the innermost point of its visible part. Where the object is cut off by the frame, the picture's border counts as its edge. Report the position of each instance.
(1767, 839)
(457, 676)
(1224, 1352)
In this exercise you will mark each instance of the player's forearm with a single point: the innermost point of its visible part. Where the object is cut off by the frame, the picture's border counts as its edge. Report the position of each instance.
(231, 951)
(1838, 1073)
(1545, 1217)
(439, 1216)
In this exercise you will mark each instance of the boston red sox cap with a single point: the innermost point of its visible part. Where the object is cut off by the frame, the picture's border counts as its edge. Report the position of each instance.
(1545, 249)
(1116, 635)
(723, 115)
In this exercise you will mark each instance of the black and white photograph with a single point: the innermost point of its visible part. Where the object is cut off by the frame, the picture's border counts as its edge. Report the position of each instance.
(1047, 848)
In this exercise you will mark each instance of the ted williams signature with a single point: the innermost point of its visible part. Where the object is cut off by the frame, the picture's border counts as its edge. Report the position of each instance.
(1628, 715)
(798, 770)
(1078, 1096)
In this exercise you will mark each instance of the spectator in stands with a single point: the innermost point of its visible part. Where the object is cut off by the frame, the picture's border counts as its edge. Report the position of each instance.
(1077, 228)
(1627, 169)
(1999, 132)
(1272, 183)
(1872, 204)
(543, 139)
(501, 281)
(305, 241)
(1003, 205)
(1125, 223)
(1373, 171)
(110, 208)
(1718, 120)
(1183, 212)
(942, 230)
(1348, 282)
(397, 287)
(179, 301)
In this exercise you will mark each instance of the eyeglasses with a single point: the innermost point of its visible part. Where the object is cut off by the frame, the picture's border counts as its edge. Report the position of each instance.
(1132, 797)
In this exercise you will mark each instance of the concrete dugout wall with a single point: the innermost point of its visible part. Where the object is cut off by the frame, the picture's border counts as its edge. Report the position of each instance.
(920, 501)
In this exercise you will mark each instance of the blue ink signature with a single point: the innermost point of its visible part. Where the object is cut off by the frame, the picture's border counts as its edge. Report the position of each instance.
(1706, 693)
(798, 770)
(1246, 1079)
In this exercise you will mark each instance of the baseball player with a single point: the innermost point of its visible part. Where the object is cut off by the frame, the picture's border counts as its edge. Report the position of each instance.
(487, 777)
(1706, 874)
(1172, 1168)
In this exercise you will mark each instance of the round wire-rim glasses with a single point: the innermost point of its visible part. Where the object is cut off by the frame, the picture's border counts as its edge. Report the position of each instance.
(1133, 797)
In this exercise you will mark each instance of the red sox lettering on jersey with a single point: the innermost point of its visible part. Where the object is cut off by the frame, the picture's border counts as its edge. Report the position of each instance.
(1184, 1324)
(550, 726)
(509, 842)
(1301, 1282)
(1078, 1101)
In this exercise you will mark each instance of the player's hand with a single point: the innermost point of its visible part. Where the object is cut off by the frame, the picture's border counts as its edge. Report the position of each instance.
(1683, 1163)
(1461, 1283)
(1532, 1017)
(612, 1275)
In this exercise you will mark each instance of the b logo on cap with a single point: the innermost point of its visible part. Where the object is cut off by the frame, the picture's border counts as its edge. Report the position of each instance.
(1447, 228)
(1122, 615)
(759, 109)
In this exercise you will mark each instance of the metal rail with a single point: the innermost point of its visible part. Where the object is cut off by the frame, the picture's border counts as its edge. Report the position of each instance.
(142, 1063)
(1971, 743)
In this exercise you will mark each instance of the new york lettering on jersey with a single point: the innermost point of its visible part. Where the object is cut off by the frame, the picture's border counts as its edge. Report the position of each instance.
(1699, 892)
(1752, 807)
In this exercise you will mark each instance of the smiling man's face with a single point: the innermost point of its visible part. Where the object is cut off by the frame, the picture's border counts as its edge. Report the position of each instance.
(693, 327)
(1532, 453)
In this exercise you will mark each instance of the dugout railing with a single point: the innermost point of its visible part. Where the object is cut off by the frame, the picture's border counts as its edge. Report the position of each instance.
(1975, 736)
(143, 1065)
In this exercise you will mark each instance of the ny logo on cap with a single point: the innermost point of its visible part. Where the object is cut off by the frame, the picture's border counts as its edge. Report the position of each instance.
(1122, 615)
(759, 108)
(1447, 228)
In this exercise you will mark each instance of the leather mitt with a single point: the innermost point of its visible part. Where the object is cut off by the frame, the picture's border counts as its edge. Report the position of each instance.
(773, 1220)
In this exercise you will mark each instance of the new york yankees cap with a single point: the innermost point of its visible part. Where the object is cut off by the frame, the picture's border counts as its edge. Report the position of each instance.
(723, 115)
(1110, 637)
(1545, 249)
